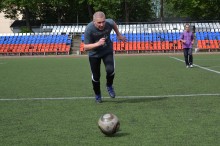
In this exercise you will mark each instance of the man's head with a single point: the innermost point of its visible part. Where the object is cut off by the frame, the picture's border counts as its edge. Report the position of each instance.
(99, 20)
(187, 27)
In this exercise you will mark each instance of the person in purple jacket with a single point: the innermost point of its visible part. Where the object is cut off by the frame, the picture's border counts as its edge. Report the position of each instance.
(187, 39)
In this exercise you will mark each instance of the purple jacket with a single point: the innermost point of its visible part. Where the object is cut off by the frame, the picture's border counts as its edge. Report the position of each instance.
(188, 37)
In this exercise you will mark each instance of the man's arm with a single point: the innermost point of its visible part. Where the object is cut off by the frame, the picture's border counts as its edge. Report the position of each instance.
(192, 38)
(88, 43)
(182, 39)
(120, 37)
(92, 46)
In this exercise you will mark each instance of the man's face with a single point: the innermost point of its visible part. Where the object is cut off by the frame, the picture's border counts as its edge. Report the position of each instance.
(187, 27)
(99, 23)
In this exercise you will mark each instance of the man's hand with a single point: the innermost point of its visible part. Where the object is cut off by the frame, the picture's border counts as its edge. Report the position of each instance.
(101, 42)
(184, 41)
(122, 38)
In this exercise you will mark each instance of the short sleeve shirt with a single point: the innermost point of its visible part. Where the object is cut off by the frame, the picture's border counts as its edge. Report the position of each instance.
(93, 35)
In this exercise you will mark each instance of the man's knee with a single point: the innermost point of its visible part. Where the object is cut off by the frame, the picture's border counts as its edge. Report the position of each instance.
(185, 55)
(110, 71)
(95, 78)
(190, 53)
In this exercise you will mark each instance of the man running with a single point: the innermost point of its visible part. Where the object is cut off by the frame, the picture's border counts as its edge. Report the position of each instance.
(100, 47)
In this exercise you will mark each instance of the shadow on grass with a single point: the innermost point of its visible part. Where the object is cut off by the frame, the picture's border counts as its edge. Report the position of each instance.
(134, 100)
(119, 134)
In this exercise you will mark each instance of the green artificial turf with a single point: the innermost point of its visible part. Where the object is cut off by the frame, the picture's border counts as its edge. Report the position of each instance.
(145, 120)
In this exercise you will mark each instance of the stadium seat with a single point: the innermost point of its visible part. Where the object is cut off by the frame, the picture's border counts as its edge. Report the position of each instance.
(26, 43)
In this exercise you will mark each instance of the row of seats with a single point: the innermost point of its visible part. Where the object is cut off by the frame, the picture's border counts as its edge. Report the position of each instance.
(30, 34)
(208, 44)
(208, 40)
(48, 39)
(66, 29)
(34, 48)
(163, 36)
(35, 44)
(215, 25)
(143, 37)
(136, 28)
(162, 41)
(150, 37)
(208, 35)
(143, 46)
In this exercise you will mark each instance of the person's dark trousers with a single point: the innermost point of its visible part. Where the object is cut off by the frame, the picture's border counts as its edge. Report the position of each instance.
(188, 56)
(95, 64)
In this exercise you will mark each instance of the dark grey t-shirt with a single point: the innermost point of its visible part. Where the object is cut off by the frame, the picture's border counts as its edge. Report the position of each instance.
(93, 35)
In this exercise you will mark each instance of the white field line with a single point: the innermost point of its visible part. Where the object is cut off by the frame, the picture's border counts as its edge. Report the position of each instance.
(214, 66)
(207, 59)
(204, 68)
(120, 97)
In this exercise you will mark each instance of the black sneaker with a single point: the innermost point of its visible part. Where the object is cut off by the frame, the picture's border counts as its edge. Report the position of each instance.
(111, 91)
(98, 98)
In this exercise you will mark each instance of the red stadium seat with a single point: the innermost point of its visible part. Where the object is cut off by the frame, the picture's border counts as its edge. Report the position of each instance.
(81, 47)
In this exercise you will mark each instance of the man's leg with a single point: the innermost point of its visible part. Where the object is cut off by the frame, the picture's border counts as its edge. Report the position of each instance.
(95, 69)
(190, 56)
(109, 62)
(185, 50)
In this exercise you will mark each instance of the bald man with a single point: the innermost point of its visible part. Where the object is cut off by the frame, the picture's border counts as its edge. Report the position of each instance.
(99, 46)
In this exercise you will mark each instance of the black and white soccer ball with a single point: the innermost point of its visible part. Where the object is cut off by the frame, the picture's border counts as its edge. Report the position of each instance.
(109, 124)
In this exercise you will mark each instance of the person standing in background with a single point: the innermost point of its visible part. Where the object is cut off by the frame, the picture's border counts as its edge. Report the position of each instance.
(187, 40)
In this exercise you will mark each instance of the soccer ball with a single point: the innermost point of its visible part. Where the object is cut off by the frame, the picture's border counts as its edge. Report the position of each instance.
(108, 124)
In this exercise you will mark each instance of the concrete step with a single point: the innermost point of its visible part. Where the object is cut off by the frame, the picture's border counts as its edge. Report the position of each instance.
(76, 44)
